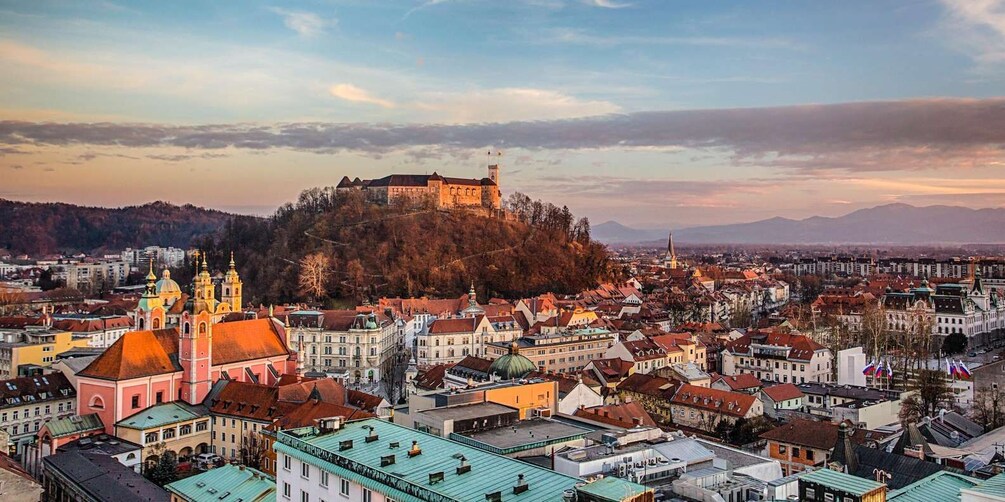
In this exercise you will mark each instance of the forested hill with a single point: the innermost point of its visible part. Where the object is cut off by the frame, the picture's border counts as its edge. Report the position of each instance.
(353, 250)
(49, 228)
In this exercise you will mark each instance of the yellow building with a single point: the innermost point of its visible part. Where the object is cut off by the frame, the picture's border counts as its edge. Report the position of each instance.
(527, 397)
(23, 348)
(176, 429)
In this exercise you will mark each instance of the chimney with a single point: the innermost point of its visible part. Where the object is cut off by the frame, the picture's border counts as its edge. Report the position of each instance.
(415, 451)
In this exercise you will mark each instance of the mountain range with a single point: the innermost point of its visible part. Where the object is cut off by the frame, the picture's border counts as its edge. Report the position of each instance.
(892, 224)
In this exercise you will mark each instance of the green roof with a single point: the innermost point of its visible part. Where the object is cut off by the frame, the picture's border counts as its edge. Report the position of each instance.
(67, 426)
(229, 483)
(407, 479)
(994, 486)
(613, 489)
(842, 482)
(942, 485)
(163, 414)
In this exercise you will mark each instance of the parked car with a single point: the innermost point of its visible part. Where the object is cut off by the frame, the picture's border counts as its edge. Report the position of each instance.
(207, 461)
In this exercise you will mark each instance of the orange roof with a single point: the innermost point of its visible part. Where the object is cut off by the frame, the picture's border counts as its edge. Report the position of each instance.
(308, 413)
(742, 381)
(729, 403)
(618, 415)
(248, 400)
(327, 389)
(462, 325)
(145, 353)
(783, 392)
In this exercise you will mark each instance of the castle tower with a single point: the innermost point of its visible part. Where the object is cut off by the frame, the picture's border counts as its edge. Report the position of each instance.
(150, 309)
(232, 287)
(494, 168)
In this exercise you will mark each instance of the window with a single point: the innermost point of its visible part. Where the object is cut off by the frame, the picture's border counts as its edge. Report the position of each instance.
(795, 451)
(286, 462)
(305, 470)
(809, 454)
(160, 396)
(367, 495)
(304, 497)
(828, 497)
(286, 490)
(781, 449)
(810, 493)
(324, 478)
(201, 426)
(344, 487)
(168, 433)
(136, 401)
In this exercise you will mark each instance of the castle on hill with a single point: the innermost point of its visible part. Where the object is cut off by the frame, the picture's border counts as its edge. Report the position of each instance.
(445, 192)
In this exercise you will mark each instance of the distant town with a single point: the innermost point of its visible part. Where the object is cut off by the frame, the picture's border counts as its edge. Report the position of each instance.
(698, 375)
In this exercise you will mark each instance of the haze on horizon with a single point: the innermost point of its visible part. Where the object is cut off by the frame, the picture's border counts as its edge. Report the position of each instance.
(650, 113)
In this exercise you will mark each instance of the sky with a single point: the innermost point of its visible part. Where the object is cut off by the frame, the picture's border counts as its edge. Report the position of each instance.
(655, 114)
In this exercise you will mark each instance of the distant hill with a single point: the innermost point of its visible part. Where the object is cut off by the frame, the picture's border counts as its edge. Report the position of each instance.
(612, 232)
(897, 224)
(50, 228)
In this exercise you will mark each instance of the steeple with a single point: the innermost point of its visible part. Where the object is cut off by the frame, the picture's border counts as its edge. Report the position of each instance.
(150, 308)
(232, 286)
(671, 254)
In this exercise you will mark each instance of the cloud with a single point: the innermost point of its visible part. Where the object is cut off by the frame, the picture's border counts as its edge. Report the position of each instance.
(977, 27)
(352, 93)
(509, 104)
(915, 135)
(306, 24)
(607, 4)
(576, 36)
(421, 6)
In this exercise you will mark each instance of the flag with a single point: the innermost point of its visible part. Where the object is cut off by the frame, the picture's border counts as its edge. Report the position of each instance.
(889, 370)
(879, 369)
(869, 368)
(950, 368)
(964, 371)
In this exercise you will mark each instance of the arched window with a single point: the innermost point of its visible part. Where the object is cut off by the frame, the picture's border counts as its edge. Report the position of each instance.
(202, 328)
(156, 324)
(188, 328)
(97, 403)
(142, 324)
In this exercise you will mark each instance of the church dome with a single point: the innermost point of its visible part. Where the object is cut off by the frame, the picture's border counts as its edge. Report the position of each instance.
(512, 365)
(167, 284)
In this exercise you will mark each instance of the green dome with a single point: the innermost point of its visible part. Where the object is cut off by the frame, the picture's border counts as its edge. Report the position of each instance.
(512, 365)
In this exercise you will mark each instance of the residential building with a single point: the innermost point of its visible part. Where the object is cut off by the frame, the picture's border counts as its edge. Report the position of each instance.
(127, 453)
(376, 461)
(353, 346)
(863, 406)
(27, 403)
(239, 412)
(704, 408)
(80, 476)
(653, 393)
(826, 485)
(777, 356)
(103, 275)
(782, 398)
(177, 429)
(622, 415)
(447, 341)
(15, 483)
(574, 392)
(57, 432)
(99, 331)
(30, 349)
(742, 382)
(806, 444)
(567, 351)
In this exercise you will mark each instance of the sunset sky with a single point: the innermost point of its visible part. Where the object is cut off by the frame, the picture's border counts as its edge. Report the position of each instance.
(653, 113)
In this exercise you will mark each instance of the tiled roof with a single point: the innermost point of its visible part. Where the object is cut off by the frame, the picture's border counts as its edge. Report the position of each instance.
(462, 325)
(145, 353)
(783, 392)
(815, 434)
(651, 385)
(364, 401)
(307, 413)
(247, 400)
(725, 402)
(743, 381)
(619, 415)
(432, 377)
(325, 389)
(27, 390)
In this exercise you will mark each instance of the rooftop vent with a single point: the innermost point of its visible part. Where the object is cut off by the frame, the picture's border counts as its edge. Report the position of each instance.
(493, 497)
(435, 477)
(521, 485)
(345, 445)
(464, 466)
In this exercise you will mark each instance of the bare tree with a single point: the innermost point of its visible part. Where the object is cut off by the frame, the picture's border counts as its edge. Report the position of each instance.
(10, 299)
(315, 273)
(989, 407)
(253, 449)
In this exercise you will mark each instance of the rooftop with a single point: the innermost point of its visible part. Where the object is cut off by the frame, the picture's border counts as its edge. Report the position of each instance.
(408, 478)
(229, 483)
(523, 435)
(163, 414)
(846, 483)
(939, 486)
(103, 478)
(468, 411)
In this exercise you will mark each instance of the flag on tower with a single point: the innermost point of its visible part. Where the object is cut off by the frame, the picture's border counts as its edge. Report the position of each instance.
(869, 368)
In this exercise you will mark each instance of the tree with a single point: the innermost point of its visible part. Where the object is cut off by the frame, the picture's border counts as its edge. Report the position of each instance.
(10, 299)
(955, 343)
(315, 272)
(932, 394)
(989, 407)
(46, 281)
(741, 316)
(253, 449)
(166, 469)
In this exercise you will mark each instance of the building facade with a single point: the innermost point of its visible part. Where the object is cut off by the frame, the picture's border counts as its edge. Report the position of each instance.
(442, 191)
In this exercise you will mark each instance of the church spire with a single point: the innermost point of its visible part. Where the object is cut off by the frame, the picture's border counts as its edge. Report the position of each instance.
(671, 253)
